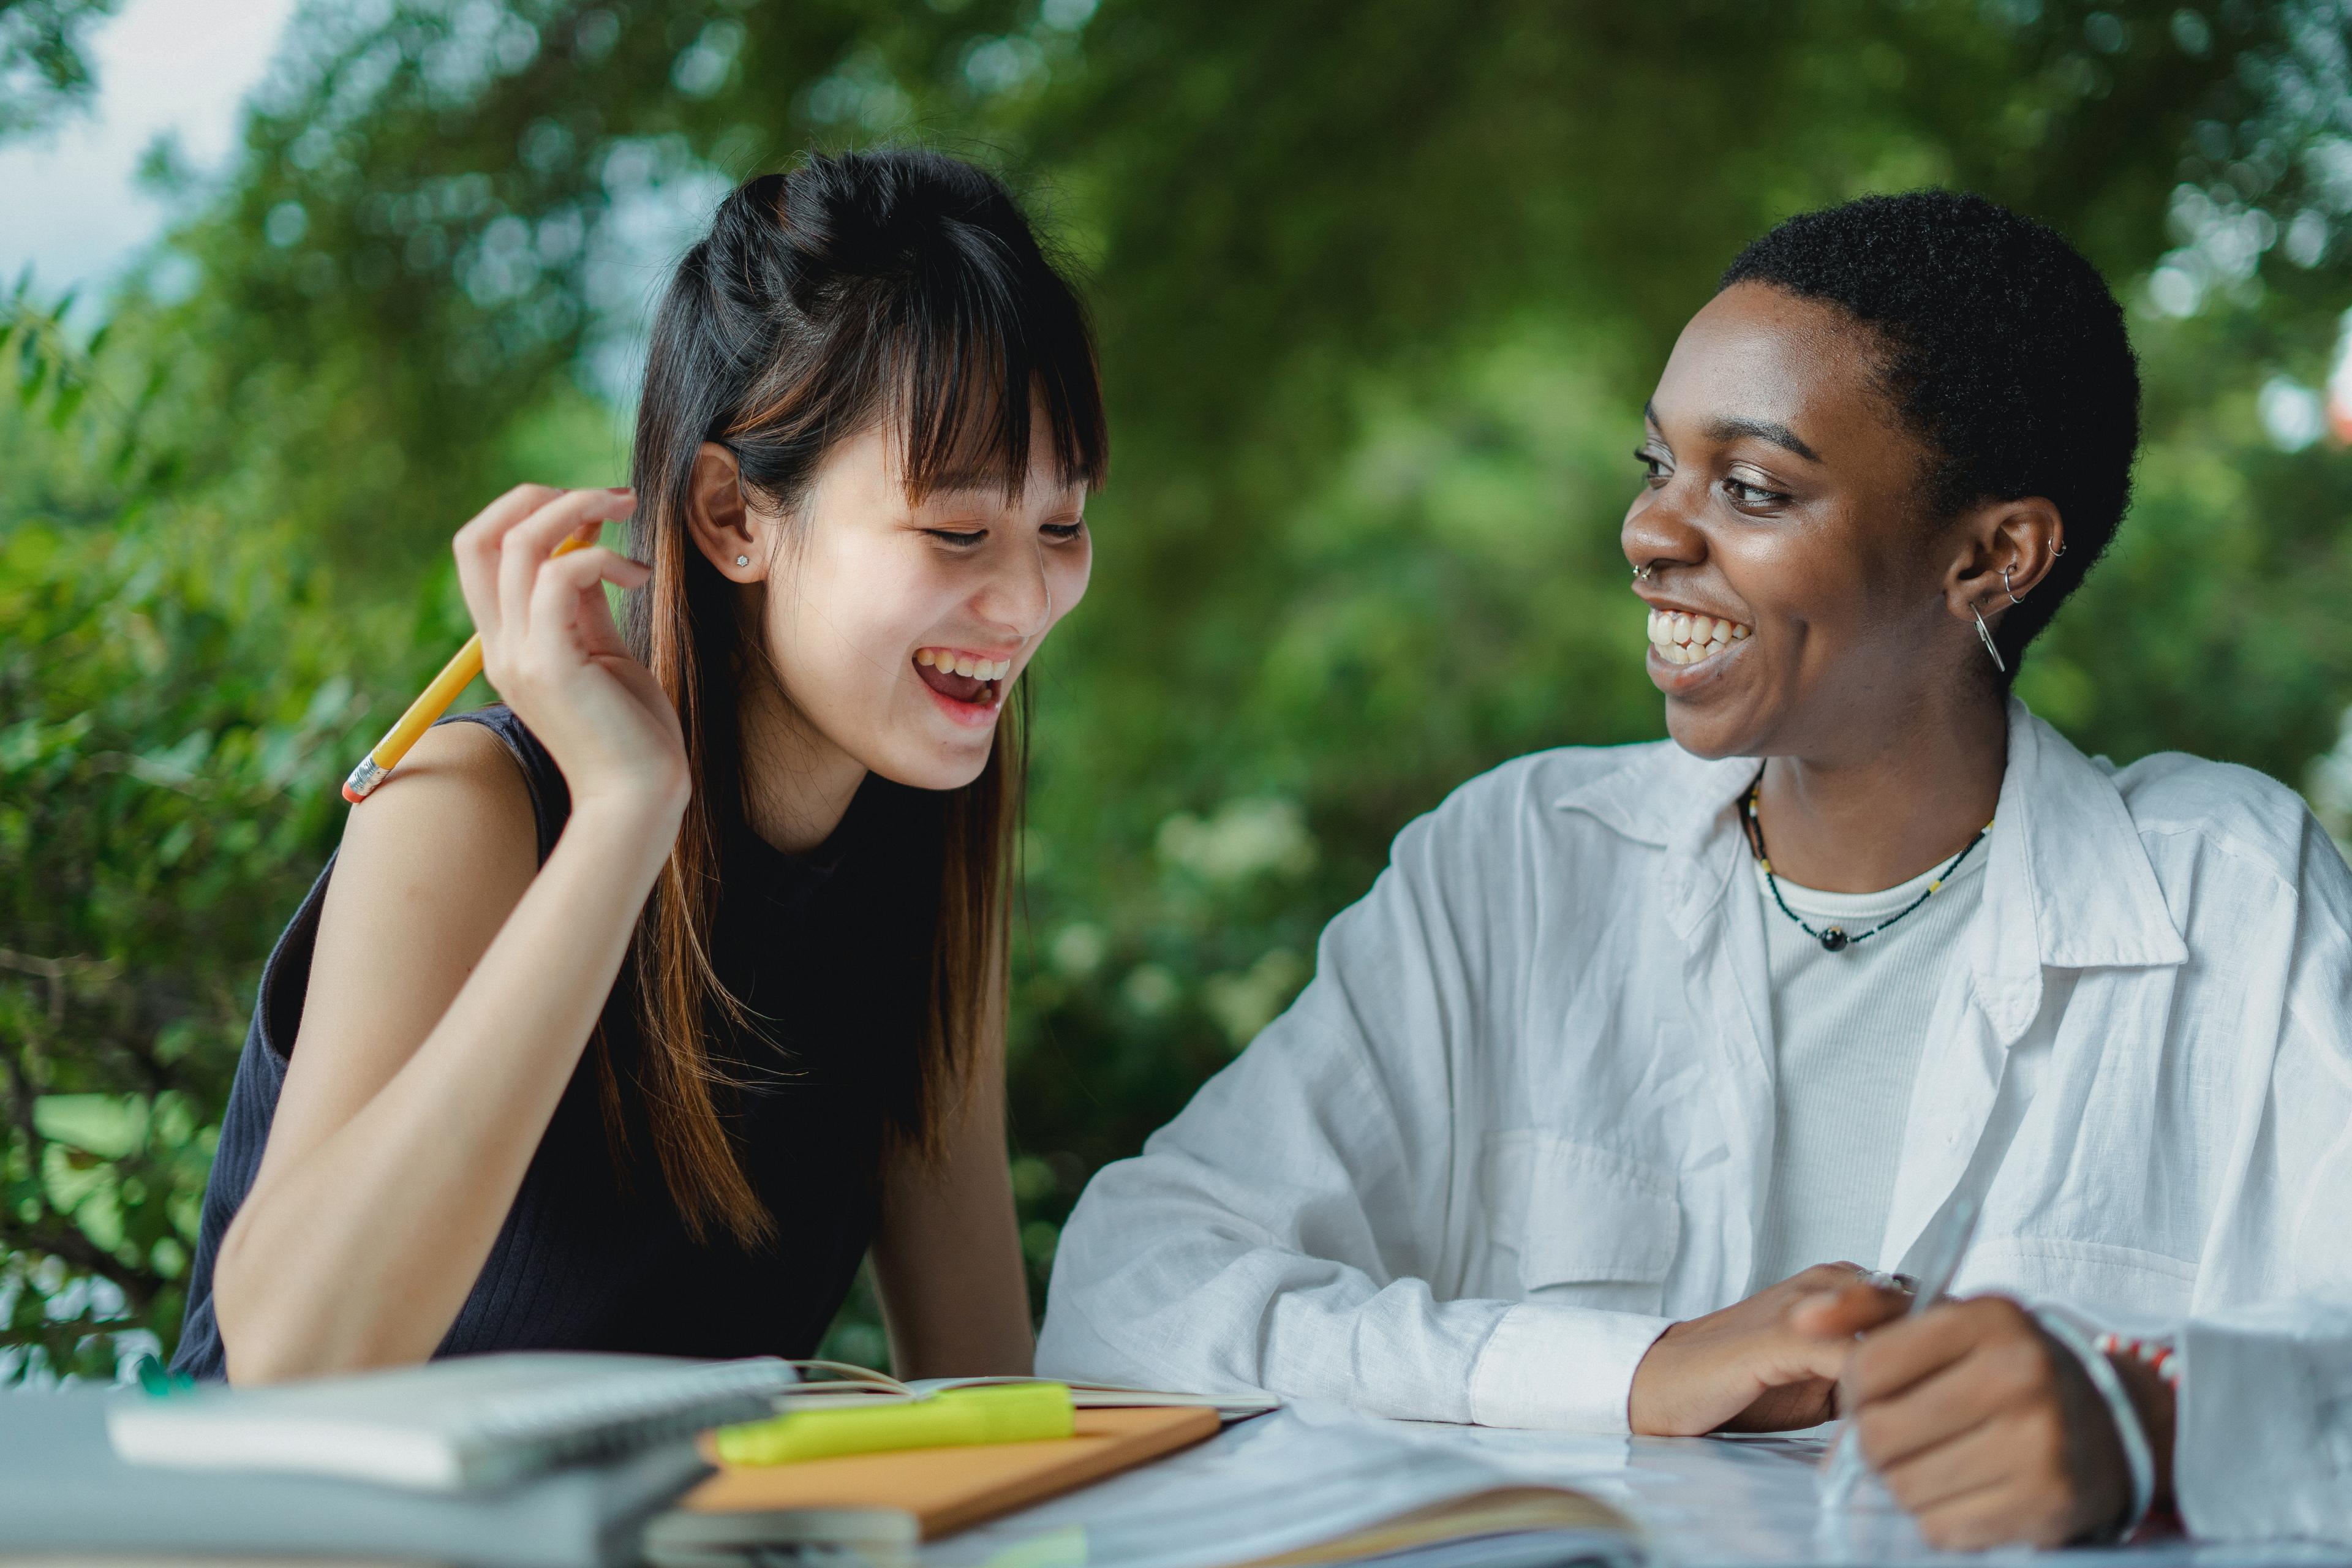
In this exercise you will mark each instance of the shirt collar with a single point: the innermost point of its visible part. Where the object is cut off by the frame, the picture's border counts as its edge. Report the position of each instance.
(1663, 795)
(2068, 884)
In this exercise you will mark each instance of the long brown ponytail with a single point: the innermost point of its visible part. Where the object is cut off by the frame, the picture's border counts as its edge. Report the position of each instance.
(896, 285)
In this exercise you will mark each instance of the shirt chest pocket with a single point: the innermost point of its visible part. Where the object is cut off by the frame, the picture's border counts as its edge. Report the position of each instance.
(1567, 1222)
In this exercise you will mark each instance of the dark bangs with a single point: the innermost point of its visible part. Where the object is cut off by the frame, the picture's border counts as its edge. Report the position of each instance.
(929, 322)
(972, 355)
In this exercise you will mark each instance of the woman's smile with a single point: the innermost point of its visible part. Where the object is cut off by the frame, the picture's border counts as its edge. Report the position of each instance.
(969, 687)
(1691, 647)
(1689, 637)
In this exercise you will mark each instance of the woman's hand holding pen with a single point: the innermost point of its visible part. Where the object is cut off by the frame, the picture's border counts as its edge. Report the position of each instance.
(1983, 1426)
(1985, 1429)
(550, 650)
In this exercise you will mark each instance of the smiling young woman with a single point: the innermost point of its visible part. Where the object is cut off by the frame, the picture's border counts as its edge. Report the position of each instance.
(1596, 1107)
(636, 1009)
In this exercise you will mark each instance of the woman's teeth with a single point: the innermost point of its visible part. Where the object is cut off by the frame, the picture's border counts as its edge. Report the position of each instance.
(956, 663)
(1683, 638)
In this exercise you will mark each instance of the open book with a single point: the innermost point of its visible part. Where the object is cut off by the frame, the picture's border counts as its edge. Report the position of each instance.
(1408, 1508)
(1306, 1488)
(833, 1383)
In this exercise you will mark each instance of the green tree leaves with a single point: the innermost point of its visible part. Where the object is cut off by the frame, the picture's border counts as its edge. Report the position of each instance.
(170, 741)
(42, 69)
(1381, 287)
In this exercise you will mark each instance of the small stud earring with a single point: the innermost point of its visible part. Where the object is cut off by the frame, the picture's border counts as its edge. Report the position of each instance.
(742, 561)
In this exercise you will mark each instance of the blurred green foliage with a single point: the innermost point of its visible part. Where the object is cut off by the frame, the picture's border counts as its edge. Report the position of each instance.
(42, 71)
(1380, 286)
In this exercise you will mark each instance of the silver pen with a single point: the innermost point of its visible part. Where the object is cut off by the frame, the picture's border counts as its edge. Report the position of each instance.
(1947, 1243)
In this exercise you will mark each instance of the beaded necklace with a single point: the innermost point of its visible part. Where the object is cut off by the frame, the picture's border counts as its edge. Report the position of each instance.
(1833, 939)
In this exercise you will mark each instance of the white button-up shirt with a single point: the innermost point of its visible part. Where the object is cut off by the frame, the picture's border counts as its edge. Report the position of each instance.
(1522, 1118)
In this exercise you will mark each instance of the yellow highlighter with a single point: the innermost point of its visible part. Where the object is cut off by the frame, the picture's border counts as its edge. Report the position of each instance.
(1005, 1412)
(430, 704)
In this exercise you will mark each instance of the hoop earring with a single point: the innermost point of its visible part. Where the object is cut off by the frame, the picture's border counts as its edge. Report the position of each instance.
(2006, 589)
(1983, 632)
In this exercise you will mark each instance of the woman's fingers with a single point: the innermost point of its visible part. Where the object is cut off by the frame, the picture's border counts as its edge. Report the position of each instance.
(1971, 1402)
(526, 546)
(486, 527)
(1788, 1407)
(1902, 1353)
(476, 548)
(1948, 1449)
(1961, 1397)
(2008, 1511)
(1852, 1308)
(567, 600)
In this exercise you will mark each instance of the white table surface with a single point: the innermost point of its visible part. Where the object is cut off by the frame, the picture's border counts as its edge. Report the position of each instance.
(1276, 1482)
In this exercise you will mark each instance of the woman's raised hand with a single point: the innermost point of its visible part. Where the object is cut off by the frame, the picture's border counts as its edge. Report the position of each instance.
(550, 650)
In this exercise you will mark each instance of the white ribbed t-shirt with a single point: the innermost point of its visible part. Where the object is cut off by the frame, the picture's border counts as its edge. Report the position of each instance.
(1848, 1028)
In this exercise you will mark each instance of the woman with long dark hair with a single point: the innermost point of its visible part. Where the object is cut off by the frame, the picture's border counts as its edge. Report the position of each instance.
(635, 1010)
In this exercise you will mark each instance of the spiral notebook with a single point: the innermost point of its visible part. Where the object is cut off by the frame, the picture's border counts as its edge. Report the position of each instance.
(66, 1497)
(459, 1424)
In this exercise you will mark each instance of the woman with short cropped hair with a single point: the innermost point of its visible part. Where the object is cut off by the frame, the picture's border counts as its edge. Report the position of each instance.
(1606, 1096)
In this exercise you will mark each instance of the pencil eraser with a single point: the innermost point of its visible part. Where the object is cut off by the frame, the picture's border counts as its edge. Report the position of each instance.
(352, 795)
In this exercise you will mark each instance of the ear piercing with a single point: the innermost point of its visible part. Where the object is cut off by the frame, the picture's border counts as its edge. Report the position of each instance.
(742, 561)
(1983, 632)
(1986, 634)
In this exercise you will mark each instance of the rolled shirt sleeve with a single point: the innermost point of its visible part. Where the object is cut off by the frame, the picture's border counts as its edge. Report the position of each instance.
(1569, 1368)
(1283, 1233)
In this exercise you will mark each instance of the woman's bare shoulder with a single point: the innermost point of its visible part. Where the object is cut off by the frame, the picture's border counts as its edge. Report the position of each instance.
(450, 838)
(458, 797)
(431, 865)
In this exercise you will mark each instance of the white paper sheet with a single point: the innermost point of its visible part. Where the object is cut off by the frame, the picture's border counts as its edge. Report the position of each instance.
(1309, 1472)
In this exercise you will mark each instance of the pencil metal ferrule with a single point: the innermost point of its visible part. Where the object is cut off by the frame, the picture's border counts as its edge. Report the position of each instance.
(364, 780)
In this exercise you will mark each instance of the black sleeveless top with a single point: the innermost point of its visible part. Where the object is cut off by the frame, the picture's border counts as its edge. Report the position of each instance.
(830, 952)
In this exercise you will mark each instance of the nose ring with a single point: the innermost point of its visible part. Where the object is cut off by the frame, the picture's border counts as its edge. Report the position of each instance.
(1641, 573)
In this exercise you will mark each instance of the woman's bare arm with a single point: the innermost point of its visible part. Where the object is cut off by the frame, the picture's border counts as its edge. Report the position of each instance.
(947, 1260)
(450, 997)
(454, 985)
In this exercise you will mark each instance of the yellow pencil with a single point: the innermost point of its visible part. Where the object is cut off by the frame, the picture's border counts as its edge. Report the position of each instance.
(430, 704)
